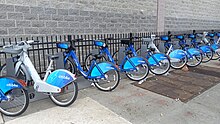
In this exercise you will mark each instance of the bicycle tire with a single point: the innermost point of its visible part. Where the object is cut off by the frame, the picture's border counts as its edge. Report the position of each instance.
(216, 56)
(7, 111)
(116, 79)
(181, 65)
(115, 57)
(131, 76)
(70, 65)
(20, 75)
(198, 63)
(152, 67)
(62, 102)
(208, 55)
(89, 58)
(167, 68)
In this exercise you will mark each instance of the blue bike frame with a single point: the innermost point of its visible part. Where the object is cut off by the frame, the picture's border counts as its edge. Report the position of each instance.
(128, 64)
(96, 71)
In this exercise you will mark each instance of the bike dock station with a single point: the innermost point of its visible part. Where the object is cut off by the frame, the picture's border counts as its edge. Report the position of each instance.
(179, 87)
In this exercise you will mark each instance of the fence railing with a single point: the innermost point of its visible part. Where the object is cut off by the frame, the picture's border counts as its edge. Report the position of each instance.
(47, 45)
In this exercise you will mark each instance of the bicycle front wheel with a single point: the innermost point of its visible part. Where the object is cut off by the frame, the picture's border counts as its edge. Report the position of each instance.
(110, 82)
(67, 95)
(216, 56)
(161, 68)
(195, 60)
(139, 74)
(17, 103)
(179, 63)
(207, 56)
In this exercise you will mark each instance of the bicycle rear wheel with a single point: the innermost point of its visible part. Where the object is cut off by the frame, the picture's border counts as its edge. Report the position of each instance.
(67, 95)
(17, 103)
(139, 74)
(89, 58)
(70, 65)
(21, 74)
(110, 82)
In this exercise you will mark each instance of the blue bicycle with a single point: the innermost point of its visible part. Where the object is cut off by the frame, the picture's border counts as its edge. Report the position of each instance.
(194, 55)
(14, 98)
(104, 75)
(136, 68)
(213, 43)
(206, 50)
(159, 63)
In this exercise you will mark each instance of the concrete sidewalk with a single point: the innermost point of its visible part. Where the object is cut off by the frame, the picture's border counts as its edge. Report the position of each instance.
(127, 104)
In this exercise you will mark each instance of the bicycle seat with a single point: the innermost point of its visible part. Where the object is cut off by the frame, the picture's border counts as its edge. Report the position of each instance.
(100, 43)
(218, 34)
(181, 37)
(211, 34)
(63, 45)
(164, 38)
(53, 57)
(126, 41)
(191, 36)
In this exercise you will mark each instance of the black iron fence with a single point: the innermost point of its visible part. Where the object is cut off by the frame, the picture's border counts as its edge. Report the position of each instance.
(47, 45)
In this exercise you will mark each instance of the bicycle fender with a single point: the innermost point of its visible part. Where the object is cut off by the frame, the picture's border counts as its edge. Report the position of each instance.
(205, 49)
(158, 57)
(104, 67)
(177, 54)
(9, 83)
(137, 60)
(60, 78)
(194, 51)
(215, 47)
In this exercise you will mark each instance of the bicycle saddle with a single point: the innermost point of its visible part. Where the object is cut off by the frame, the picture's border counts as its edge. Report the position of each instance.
(53, 57)
(181, 37)
(191, 36)
(126, 41)
(164, 38)
(65, 45)
(211, 34)
(100, 43)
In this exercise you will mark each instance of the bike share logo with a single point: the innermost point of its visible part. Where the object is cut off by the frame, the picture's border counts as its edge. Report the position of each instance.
(64, 77)
(12, 85)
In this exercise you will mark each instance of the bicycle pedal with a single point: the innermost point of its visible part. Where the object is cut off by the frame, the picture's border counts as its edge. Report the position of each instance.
(31, 95)
(92, 84)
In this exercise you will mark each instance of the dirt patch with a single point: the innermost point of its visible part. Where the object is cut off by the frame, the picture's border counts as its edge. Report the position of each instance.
(183, 85)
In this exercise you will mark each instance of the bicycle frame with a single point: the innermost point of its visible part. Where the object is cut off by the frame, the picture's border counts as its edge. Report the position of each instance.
(189, 51)
(48, 84)
(152, 58)
(96, 71)
(128, 64)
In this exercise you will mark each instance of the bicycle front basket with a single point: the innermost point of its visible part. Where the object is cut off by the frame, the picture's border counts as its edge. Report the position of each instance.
(12, 49)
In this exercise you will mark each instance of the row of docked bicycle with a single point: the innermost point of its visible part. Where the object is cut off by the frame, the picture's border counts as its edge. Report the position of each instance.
(102, 68)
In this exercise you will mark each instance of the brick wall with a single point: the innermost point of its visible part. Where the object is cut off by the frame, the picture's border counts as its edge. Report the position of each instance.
(46, 17)
(192, 14)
